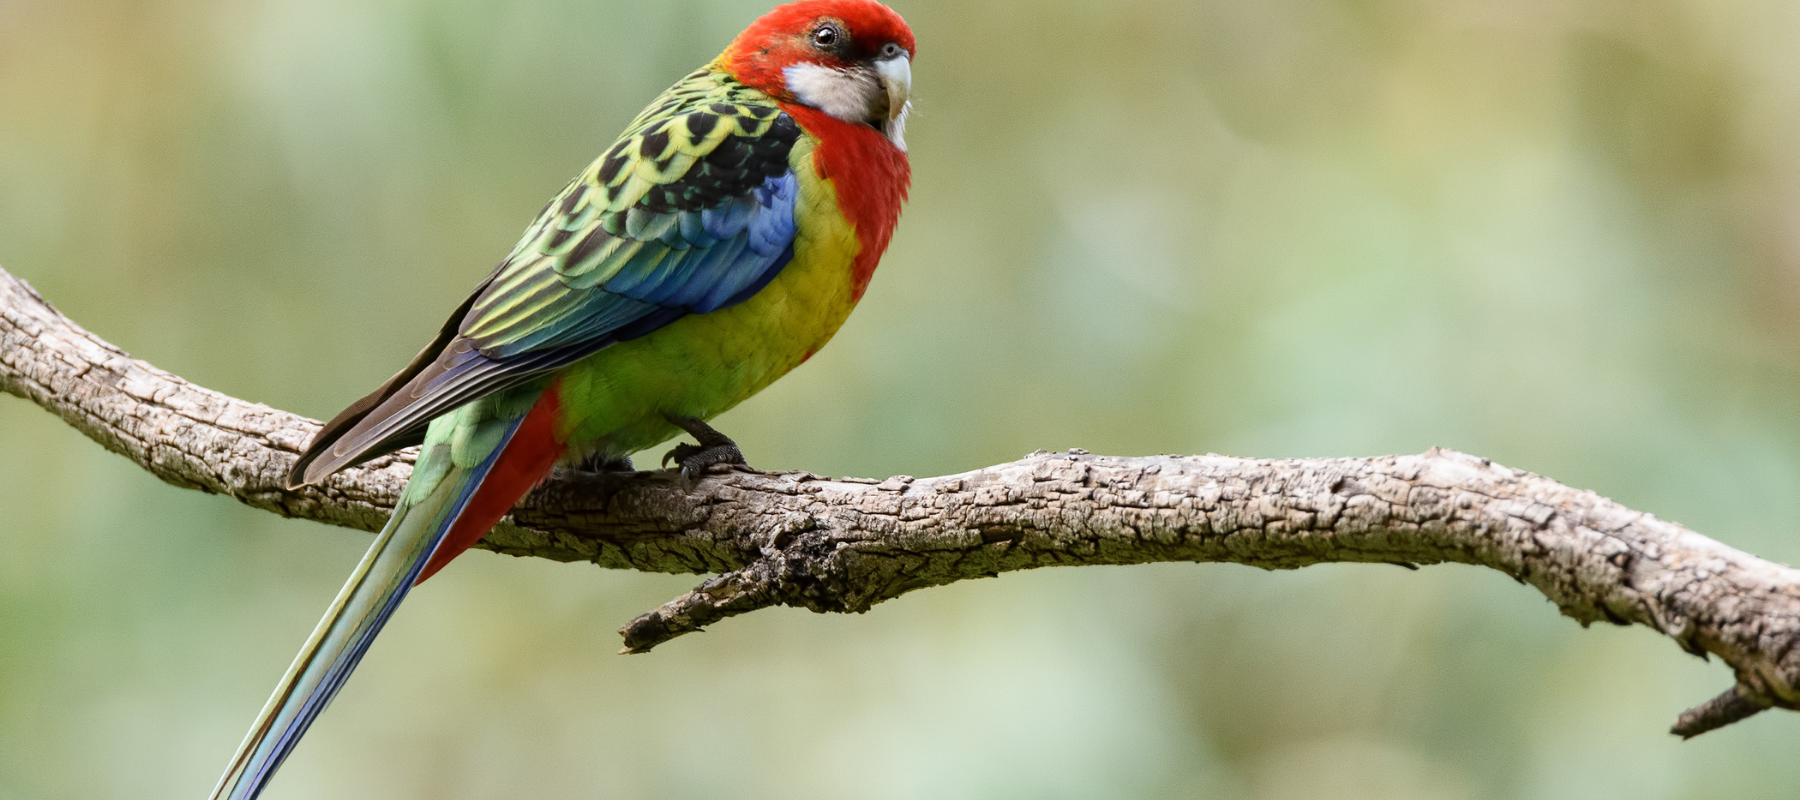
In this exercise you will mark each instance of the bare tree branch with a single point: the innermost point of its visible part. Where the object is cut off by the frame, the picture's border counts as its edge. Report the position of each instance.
(844, 545)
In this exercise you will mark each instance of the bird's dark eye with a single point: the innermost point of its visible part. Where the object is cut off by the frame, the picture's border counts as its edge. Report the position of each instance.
(825, 36)
(891, 50)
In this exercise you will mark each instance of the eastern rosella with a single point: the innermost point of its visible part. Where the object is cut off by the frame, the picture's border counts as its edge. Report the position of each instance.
(716, 245)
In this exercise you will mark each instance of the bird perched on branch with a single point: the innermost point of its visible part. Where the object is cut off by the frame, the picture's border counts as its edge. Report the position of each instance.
(716, 245)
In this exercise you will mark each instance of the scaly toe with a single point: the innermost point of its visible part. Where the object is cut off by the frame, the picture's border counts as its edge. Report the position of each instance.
(695, 461)
(714, 448)
(679, 454)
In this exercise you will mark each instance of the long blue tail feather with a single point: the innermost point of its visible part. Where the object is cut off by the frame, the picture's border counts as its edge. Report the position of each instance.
(380, 581)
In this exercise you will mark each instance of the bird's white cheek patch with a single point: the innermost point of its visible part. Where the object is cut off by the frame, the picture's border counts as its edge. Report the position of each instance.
(846, 94)
(895, 129)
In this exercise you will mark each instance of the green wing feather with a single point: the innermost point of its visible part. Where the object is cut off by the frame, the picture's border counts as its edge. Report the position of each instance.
(691, 210)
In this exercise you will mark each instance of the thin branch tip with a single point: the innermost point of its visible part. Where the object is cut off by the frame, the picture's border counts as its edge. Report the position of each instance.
(1733, 705)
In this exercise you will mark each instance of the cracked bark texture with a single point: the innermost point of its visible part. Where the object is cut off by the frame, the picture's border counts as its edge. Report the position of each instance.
(845, 544)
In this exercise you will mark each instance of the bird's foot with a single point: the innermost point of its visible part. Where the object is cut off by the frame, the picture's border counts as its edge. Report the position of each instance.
(601, 462)
(714, 448)
(593, 465)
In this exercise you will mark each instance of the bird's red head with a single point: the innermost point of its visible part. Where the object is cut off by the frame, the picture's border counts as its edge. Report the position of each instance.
(851, 59)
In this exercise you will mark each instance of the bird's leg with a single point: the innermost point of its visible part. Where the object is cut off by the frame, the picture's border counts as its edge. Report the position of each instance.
(713, 448)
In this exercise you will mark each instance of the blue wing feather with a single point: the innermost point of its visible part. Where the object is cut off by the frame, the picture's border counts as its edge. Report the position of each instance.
(585, 277)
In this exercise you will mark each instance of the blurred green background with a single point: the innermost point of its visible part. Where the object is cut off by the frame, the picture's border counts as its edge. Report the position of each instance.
(1563, 235)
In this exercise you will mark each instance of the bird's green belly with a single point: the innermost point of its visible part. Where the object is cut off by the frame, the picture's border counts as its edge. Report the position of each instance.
(616, 401)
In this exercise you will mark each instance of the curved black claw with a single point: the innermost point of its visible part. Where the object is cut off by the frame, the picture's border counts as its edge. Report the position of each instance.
(713, 448)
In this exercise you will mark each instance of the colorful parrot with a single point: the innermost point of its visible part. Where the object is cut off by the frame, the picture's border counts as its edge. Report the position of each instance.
(716, 245)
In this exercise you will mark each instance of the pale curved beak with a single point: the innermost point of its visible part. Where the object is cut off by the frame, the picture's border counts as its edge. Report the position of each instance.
(896, 79)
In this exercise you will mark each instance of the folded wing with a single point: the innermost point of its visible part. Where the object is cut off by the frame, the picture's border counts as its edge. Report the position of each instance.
(692, 210)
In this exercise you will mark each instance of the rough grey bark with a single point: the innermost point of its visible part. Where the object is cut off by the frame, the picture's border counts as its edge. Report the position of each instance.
(845, 544)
